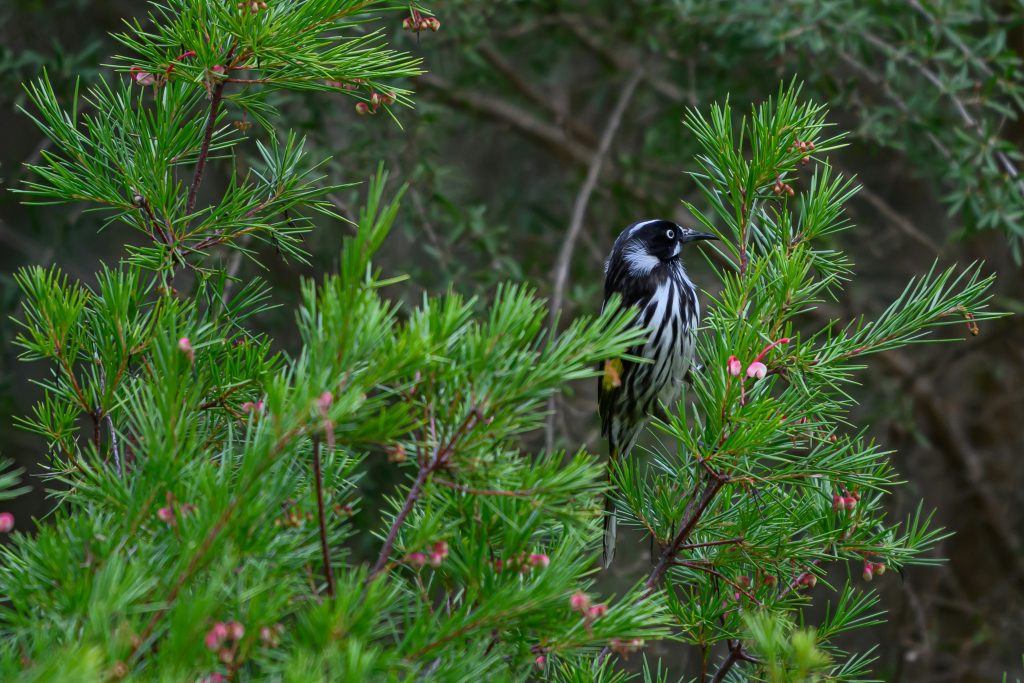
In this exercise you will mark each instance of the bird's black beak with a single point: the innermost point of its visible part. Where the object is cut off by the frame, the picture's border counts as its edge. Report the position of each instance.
(693, 236)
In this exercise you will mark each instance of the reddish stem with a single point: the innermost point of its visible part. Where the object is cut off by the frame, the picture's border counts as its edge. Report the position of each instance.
(322, 518)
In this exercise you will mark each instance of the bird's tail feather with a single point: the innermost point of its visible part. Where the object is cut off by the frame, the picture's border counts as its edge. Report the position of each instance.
(609, 532)
(610, 527)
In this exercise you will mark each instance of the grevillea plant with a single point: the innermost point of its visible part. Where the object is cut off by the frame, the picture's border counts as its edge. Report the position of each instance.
(206, 484)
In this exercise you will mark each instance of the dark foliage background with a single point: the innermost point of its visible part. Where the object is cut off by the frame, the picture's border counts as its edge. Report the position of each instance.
(506, 125)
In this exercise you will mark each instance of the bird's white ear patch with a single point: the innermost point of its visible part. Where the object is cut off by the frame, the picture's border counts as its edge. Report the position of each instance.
(639, 261)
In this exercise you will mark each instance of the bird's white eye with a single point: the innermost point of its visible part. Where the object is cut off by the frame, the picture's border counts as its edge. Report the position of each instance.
(671, 234)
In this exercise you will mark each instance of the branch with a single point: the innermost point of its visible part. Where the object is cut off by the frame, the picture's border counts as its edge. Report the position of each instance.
(427, 467)
(532, 93)
(541, 131)
(321, 517)
(579, 211)
(204, 151)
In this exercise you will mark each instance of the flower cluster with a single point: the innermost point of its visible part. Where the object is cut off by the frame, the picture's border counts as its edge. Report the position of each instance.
(756, 370)
(376, 100)
(434, 559)
(522, 563)
(224, 638)
(416, 22)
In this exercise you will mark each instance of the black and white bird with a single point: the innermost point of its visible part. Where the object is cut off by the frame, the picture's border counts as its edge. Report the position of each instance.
(644, 268)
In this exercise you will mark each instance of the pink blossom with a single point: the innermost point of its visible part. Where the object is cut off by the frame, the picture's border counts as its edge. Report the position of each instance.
(416, 559)
(868, 571)
(6, 522)
(757, 369)
(597, 611)
(166, 514)
(186, 346)
(734, 366)
(540, 661)
(236, 629)
(362, 108)
(540, 560)
(579, 601)
(216, 635)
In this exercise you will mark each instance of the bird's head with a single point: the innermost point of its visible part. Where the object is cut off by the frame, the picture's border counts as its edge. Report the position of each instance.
(644, 245)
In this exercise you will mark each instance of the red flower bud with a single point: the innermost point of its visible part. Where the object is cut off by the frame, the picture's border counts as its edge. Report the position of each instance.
(362, 108)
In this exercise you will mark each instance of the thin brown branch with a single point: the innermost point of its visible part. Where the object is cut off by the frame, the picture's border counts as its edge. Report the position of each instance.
(668, 555)
(534, 94)
(547, 134)
(389, 543)
(216, 95)
(438, 460)
(325, 550)
(708, 569)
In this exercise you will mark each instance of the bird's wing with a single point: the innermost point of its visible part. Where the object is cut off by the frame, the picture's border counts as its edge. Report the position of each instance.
(615, 371)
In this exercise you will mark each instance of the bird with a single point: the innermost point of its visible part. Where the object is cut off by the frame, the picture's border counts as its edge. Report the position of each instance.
(645, 270)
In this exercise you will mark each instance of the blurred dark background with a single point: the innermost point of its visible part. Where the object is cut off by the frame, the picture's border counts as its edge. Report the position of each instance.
(509, 120)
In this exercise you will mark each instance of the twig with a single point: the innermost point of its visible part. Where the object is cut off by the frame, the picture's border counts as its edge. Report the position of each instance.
(735, 653)
(707, 568)
(427, 466)
(579, 211)
(694, 510)
(893, 216)
(389, 542)
(711, 489)
(321, 516)
(216, 94)
(532, 93)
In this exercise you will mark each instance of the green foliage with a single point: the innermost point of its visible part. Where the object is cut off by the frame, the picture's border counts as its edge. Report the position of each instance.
(209, 484)
(769, 483)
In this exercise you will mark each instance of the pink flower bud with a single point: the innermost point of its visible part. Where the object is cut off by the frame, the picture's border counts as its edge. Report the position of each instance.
(362, 108)
(141, 77)
(216, 635)
(215, 677)
(757, 369)
(186, 347)
(850, 502)
(579, 601)
(166, 514)
(226, 655)
(880, 568)
(416, 559)
(838, 502)
(441, 548)
(436, 559)
(324, 402)
(597, 611)
(236, 630)
(540, 661)
(6, 522)
(540, 560)
(734, 366)
(868, 573)
(217, 68)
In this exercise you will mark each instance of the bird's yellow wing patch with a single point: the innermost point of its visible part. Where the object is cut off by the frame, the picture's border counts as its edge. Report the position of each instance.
(612, 378)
